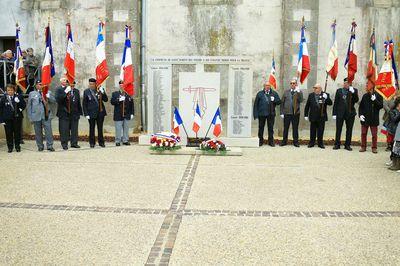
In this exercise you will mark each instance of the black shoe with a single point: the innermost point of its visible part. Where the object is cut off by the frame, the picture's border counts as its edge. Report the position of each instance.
(22, 141)
(102, 145)
(272, 144)
(65, 148)
(348, 148)
(321, 146)
(91, 145)
(76, 146)
(18, 149)
(50, 149)
(296, 145)
(310, 145)
(336, 147)
(118, 144)
(10, 150)
(260, 143)
(283, 144)
(127, 143)
(40, 149)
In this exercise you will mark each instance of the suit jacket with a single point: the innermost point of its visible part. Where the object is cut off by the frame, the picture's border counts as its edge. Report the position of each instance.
(313, 107)
(127, 103)
(9, 109)
(263, 106)
(370, 109)
(90, 103)
(35, 108)
(291, 101)
(69, 105)
(343, 107)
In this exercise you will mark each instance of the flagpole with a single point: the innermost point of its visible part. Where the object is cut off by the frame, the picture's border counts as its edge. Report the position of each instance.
(208, 129)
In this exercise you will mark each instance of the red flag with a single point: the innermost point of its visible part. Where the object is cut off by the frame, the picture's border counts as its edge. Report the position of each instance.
(372, 63)
(385, 83)
(69, 62)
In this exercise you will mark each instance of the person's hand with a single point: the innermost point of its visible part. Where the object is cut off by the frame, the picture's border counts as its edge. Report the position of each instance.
(67, 89)
(282, 116)
(131, 116)
(362, 118)
(102, 90)
(306, 118)
(87, 117)
(325, 96)
(373, 97)
(351, 89)
(16, 99)
(48, 94)
(272, 98)
(3, 123)
(334, 117)
(121, 98)
(297, 89)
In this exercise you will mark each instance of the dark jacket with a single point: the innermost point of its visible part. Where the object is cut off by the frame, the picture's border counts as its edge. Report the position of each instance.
(9, 109)
(343, 107)
(370, 109)
(313, 107)
(290, 101)
(69, 105)
(90, 103)
(263, 106)
(394, 118)
(127, 104)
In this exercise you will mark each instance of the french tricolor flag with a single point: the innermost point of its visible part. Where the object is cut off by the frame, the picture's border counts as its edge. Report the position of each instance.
(126, 74)
(351, 58)
(197, 119)
(177, 121)
(19, 69)
(101, 63)
(217, 123)
(272, 77)
(303, 66)
(69, 61)
(48, 70)
(332, 67)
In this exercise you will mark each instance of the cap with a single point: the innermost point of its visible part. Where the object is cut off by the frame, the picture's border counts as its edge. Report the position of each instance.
(120, 82)
(92, 80)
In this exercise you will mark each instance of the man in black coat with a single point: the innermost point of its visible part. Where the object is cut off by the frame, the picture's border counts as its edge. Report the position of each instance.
(370, 105)
(345, 112)
(123, 113)
(69, 110)
(315, 112)
(95, 111)
(264, 110)
(11, 107)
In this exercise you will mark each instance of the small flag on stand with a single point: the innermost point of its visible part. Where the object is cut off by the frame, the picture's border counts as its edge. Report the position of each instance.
(217, 122)
(177, 121)
(197, 119)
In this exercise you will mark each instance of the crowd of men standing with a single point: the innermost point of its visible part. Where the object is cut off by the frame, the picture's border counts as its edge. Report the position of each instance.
(70, 108)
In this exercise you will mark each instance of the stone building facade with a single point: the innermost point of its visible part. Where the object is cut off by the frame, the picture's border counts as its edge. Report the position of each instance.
(254, 28)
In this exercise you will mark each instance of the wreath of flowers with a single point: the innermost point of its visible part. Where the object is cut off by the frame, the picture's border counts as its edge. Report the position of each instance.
(213, 145)
(164, 141)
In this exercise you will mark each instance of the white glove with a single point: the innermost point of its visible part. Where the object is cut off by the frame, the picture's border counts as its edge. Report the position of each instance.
(325, 96)
(16, 100)
(362, 118)
(121, 98)
(334, 117)
(297, 89)
(282, 116)
(272, 98)
(102, 90)
(48, 95)
(88, 117)
(373, 97)
(3, 123)
(131, 116)
(351, 89)
(306, 118)
(67, 89)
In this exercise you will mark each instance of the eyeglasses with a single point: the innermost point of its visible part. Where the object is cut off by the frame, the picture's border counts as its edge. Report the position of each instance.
(292, 82)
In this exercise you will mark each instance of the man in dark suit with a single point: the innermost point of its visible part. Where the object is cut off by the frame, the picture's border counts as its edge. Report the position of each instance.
(69, 111)
(290, 112)
(370, 105)
(315, 112)
(95, 111)
(123, 113)
(344, 112)
(264, 110)
(11, 107)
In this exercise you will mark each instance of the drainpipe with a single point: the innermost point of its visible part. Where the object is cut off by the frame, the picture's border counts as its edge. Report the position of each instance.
(143, 40)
